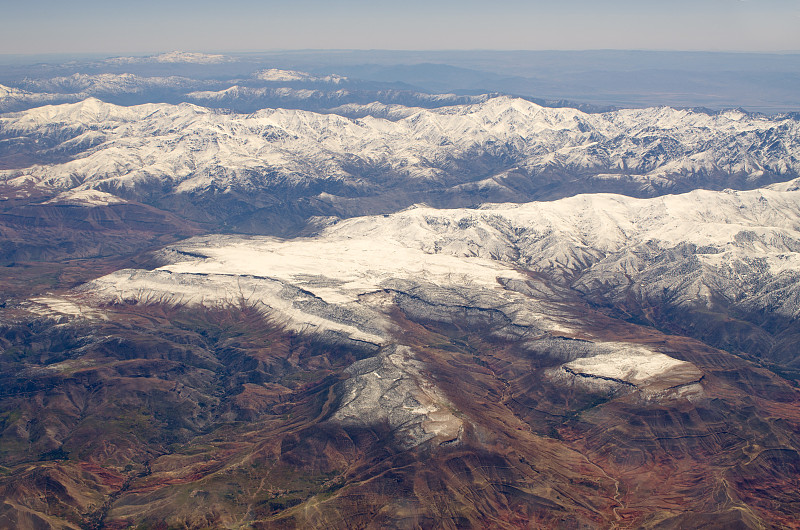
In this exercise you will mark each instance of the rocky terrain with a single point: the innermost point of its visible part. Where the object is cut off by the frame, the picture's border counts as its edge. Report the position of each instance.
(213, 319)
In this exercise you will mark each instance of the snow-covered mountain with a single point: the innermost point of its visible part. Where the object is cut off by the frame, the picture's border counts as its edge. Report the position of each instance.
(282, 76)
(498, 149)
(353, 102)
(512, 269)
(97, 84)
(728, 238)
(241, 92)
(15, 99)
(174, 57)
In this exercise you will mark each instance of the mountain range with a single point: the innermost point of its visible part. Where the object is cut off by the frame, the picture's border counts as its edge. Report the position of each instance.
(277, 161)
(380, 307)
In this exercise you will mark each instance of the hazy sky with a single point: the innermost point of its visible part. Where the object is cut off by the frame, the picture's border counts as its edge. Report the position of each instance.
(144, 26)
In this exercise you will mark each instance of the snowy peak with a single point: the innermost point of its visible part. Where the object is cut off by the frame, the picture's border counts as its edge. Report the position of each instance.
(190, 57)
(509, 270)
(501, 266)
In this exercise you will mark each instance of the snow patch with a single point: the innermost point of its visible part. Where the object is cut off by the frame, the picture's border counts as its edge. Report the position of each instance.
(629, 364)
(629, 367)
(63, 309)
(392, 389)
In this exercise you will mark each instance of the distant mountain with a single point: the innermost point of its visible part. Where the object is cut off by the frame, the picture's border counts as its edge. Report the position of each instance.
(281, 76)
(351, 101)
(109, 84)
(15, 99)
(174, 57)
(601, 79)
(265, 88)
